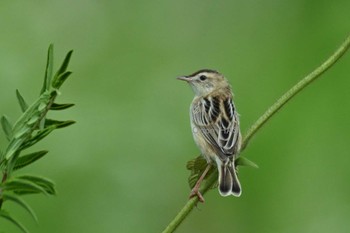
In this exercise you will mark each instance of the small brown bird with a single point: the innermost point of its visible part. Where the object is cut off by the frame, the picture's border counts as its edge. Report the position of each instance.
(215, 128)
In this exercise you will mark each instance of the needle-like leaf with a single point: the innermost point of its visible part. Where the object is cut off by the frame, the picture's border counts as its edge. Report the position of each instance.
(55, 106)
(22, 102)
(45, 183)
(243, 161)
(7, 128)
(49, 70)
(7, 216)
(57, 124)
(22, 186)
(19, 201)
(27, 159)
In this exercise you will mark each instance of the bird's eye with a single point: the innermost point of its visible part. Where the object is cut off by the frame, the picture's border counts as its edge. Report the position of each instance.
(202, 77)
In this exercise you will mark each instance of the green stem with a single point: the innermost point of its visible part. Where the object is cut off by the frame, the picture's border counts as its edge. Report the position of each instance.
(259, 123)
(190, 204)
(295, 90)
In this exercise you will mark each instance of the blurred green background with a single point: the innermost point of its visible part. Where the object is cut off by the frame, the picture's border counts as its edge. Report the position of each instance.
(121, 168)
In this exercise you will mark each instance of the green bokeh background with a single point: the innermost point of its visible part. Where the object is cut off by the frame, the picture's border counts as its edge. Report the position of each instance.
(121, 168)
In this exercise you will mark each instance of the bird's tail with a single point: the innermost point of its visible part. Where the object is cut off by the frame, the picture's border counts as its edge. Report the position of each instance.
(228, 180)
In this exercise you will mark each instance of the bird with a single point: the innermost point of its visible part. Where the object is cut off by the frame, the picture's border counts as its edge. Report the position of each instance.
(215, 129)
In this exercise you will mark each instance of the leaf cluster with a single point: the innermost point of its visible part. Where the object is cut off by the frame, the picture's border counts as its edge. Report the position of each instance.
(30, 128)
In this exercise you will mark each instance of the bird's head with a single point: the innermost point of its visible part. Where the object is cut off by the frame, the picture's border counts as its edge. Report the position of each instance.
(205, 81)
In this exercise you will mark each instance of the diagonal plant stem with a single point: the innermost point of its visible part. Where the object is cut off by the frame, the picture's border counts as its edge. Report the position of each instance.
(183, 213)
(295, 90)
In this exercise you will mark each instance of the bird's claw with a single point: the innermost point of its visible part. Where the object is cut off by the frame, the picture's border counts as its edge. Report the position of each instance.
(194, 193)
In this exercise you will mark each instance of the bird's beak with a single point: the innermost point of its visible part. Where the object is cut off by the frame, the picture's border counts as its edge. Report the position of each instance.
(183, 78)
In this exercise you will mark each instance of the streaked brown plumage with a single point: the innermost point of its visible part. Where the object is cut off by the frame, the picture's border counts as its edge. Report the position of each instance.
(215, 127)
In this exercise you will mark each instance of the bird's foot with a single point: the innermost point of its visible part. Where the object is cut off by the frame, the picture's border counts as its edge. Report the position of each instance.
(195, 192)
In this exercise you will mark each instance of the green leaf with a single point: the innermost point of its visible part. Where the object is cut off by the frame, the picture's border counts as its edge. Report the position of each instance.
(29, 158)
(21, 187)
(61, 75)
(196, 164)
(42, 106)
(6, 126)
(31, 111)
(57, 124)
(16, 199)
(7, 216)
(57, 82)
(33, 120)
(49, 70)
(55, 106)
(197, 167)
(45, 183)
(243, 161)
(38, 137)
(64, 65)
(22, 102)
(13, 147)
(21, 132)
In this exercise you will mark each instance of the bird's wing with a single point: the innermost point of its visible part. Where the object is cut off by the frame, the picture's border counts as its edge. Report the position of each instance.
(218, 122)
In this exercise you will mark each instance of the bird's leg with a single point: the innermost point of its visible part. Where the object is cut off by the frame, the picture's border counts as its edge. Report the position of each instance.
(195, 190)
